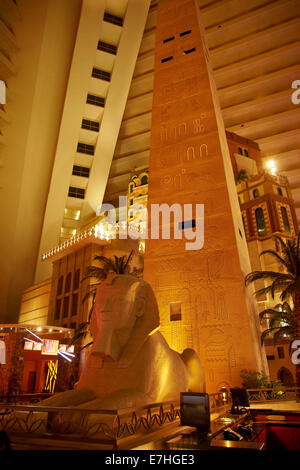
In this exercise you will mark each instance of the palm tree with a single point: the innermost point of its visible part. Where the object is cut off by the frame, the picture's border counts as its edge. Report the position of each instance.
(286, 283)
(281, 322)
(241, 176)
(118, 265)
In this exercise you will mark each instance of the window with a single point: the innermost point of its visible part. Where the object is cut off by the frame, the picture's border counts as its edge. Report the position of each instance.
(240, 150)
(79, 193)
(185, 33)
(76, 279)
(60, 285)
(104, 46)
(280, 351)
(260, 222)
(131, 202)
(74, 304)
(270, 357)
(166, 59)
(97, 73)
(279, 190)
(113, 19)
(246, 153)
(285, 220)
(66, 307)
(68, 282)
(189, 50)
(175, 311)
(95, 100)
(73, 214)
(57, 309)
(90, 125)
(144, 179)
(255, 193)
(169, 39)
(85, 148)
(81, 171)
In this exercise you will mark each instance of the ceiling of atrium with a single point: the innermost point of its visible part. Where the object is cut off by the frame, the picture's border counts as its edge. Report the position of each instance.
(255, 54)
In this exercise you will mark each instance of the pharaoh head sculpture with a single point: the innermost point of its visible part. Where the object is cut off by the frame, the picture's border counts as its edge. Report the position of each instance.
(124, 314)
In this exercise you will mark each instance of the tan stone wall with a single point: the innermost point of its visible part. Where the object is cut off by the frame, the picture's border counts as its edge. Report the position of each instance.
(35, 304)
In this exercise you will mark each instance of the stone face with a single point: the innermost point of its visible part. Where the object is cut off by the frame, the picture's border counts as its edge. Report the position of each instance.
(190, 164)
(130, 363)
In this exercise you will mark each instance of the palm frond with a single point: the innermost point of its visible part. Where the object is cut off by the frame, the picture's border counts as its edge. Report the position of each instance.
(288, 292)
(128, 261)
(276, 256)
(86, 346)
(258, 275)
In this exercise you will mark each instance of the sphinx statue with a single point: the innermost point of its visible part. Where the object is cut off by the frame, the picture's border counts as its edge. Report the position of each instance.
(130, 363)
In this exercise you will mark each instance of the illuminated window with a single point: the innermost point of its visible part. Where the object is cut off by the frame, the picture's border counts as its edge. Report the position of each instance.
(285, 220)
(72, 214)
(260, 222)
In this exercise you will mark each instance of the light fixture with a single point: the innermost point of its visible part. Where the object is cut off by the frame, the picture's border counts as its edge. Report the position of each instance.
(271, 166)
(39, 329)
(65, 357)
(34, 335)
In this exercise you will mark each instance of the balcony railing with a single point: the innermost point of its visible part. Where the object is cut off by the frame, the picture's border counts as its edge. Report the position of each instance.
(262, 395)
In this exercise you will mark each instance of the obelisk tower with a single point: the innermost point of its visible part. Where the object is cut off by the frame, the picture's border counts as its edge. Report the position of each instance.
(200, 293)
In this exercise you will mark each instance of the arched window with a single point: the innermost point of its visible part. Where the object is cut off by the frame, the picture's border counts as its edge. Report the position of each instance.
(240, 150)
(285, 220)
(285, 376)
(279, 190)
(246, 153)
(144, 179)
(131, 186)
(255, 193)
(60, 285)
(260, 222)
(76, 279)
(68, 282)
